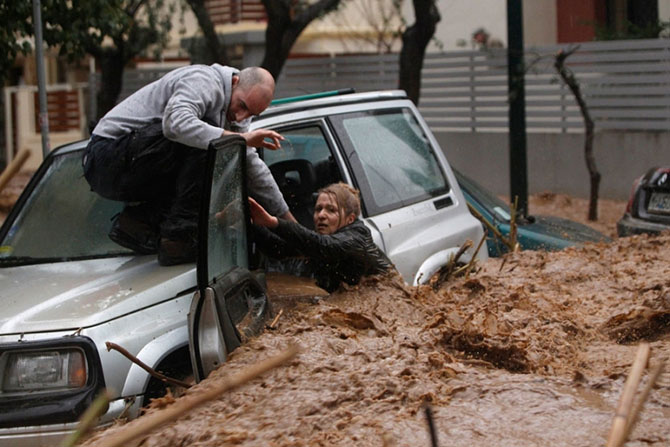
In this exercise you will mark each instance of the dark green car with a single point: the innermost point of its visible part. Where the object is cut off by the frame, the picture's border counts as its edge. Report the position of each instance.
(533, 232)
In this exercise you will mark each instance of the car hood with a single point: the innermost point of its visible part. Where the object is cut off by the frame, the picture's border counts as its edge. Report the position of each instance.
(558, 233)
(72, 295)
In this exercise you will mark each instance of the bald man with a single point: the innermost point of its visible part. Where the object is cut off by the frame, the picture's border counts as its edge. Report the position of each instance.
(149, 151)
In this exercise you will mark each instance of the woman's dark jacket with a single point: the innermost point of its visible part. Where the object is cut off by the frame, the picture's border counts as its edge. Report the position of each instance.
(344, 256)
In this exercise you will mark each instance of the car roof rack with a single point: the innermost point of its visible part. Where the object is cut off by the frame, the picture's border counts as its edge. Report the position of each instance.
(307, 102)
(342, 91)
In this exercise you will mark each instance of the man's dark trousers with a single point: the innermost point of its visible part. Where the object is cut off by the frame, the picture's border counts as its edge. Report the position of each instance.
(163, 176)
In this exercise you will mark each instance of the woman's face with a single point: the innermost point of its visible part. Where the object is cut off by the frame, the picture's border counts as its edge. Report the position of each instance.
(327, 218)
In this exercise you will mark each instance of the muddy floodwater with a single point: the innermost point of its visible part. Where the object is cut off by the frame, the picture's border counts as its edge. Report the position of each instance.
(531, 350)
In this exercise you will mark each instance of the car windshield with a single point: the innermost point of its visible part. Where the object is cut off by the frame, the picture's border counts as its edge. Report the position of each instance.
(61, 220)
(483, 197)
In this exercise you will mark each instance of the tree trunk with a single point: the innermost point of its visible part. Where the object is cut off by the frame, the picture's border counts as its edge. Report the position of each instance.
(215, 51)
(111, 63)
(415, 39)
(280, 36)
(569, 78)
(285, 24)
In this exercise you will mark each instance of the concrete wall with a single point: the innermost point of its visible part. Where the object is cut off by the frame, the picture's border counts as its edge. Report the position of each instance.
(556, 160)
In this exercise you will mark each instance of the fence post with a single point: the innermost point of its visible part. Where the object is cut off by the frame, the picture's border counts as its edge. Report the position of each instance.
(473, 93)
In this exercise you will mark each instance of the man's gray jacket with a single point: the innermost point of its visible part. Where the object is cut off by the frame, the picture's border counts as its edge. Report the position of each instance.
(192, 102)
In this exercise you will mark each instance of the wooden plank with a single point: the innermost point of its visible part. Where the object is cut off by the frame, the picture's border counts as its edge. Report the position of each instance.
(620, 68)
(632, 113)
(465, 74)
(474, 63)
(614, 46)
(653, 57)
(636, 78)
(628, 102)
(617, 90)
(635, 125)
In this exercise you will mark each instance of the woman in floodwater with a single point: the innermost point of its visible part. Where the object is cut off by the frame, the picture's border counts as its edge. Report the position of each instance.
(340, 250)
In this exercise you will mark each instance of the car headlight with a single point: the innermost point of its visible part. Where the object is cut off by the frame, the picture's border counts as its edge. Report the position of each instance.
(44, 370)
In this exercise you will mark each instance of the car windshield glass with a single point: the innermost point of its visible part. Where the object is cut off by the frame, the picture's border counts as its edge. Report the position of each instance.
(395, 155)
(62, 219)
(483, 197)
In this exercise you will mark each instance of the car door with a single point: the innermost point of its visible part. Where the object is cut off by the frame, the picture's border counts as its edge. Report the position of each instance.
(230, 304)
(405, 187)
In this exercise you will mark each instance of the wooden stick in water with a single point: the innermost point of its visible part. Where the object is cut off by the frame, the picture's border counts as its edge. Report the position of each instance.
(123, 351)
(152, 421)
(621, 417)
(632, 419)
(276, 319)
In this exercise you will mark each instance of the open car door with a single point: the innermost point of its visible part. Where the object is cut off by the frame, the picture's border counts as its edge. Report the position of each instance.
(230, 304)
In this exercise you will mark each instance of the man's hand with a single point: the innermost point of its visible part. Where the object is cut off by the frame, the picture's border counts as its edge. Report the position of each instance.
(261, 217)
(231, 213)
(260, 137)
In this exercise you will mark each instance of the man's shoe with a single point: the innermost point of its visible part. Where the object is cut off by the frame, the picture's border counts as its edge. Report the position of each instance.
(134, 234)
(174, 251)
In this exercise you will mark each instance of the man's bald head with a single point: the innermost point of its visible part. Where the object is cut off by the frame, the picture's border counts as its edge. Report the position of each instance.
(253, 90)
(256, 76)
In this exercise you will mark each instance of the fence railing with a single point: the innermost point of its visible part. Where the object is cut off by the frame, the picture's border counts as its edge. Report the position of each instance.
(626, 85)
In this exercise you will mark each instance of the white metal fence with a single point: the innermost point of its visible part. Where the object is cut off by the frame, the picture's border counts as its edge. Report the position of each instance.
(626, 85)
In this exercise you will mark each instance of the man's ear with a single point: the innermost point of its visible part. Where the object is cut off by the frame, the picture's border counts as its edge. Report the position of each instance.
(235, 80)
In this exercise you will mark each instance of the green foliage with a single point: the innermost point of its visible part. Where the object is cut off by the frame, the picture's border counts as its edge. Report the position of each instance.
(14, 27)
(80, 27)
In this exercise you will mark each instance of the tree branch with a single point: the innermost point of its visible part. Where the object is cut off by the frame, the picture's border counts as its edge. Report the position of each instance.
(145, 367)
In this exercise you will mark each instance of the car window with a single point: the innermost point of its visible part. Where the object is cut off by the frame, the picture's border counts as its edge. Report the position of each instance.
(394, 155)
(485, 198)
(307, 143)
(302, 166)
(62, 219)
(226, 233)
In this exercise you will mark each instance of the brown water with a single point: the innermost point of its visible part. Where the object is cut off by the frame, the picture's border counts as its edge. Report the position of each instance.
(531, 350)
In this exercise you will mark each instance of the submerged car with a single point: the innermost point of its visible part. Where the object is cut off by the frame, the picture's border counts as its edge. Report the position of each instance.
(533, 232)
(67, 290)
(648, 208)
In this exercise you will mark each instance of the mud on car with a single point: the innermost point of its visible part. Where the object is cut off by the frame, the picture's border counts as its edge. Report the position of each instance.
(67, 290)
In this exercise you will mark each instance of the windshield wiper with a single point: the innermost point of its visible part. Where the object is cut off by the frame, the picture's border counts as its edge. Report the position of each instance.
(26, 260)
(11, 261)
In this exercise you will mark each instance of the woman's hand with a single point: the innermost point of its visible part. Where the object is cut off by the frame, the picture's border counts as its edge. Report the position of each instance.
(265, 138)
(261, 217)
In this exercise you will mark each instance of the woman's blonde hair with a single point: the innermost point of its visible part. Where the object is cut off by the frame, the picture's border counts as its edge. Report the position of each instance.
(346, 197)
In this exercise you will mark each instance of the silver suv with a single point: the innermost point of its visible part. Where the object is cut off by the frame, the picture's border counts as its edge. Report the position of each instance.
(378, 143)
(66, 289)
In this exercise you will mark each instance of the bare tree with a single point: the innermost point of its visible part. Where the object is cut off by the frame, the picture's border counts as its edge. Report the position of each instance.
(382, 19)
(569, 78)
(287, 19)
(216, 51)
(415, 39)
